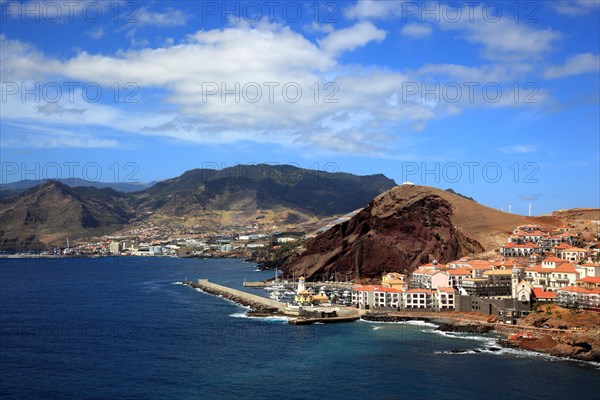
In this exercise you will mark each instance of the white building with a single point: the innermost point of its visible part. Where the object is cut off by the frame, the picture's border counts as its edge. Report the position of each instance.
(370, 296)
(551, 274)
(575, 254)
(429, 279)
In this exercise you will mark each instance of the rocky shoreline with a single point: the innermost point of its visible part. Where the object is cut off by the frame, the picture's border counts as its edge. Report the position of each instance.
(573, 345)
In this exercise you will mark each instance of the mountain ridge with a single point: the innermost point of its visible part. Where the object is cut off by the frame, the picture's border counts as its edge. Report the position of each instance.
(209, 199)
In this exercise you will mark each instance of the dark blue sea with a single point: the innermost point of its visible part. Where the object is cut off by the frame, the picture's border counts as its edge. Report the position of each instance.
(121, 328)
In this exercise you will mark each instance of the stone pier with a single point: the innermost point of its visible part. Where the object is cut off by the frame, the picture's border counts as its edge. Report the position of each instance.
(251, 300)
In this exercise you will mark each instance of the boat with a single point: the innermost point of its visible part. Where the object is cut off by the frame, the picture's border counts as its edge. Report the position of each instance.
(277, 295)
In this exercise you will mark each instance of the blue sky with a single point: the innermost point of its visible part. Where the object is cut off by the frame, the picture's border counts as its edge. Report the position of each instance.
(498, 100)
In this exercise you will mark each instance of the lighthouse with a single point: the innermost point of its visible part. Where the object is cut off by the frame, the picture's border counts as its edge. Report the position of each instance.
(301, 286)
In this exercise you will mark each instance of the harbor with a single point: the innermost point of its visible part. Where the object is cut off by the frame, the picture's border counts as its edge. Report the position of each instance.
(305, 309)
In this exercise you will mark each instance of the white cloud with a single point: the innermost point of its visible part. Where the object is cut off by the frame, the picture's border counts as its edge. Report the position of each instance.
(363, 108)
(56, 108)
(315, 27)
(503, 39)
(374, 9)
(169, 18)
(416, 30)
(575, 65)
(36, 136)
(136, 42)
(352, 38)
(575, 7)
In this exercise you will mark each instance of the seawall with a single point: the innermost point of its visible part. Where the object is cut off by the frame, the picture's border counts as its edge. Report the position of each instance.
(253, 301)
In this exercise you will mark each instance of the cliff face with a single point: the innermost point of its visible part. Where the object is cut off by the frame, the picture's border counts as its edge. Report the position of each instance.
(397, 231)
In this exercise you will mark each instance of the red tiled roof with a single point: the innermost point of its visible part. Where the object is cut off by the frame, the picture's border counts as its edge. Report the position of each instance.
(459, 271)
(576, 249)
(565, 268)
(590, 279)
(553, 259)
(540, 294)
(373, 288)
(527, 245)
(562, 246)
(418, 290)
(572, 289)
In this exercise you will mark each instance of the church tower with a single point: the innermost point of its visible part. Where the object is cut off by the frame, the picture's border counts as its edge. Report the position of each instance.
(514, 282)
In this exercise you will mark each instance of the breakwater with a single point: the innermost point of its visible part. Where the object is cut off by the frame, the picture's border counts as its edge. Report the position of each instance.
(257, 303)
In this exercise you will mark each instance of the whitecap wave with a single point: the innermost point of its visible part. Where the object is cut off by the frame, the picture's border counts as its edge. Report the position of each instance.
(177, 283)
(281, 319)
(465, 336)
(238, 315)
(492, 347)
(413, 322)
(456, 352)
(420, 323)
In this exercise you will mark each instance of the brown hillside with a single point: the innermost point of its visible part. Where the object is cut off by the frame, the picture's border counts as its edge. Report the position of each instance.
(405, 227)
(399, 230)
(52, 212)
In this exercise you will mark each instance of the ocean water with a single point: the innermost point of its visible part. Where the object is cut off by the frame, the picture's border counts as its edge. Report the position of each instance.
(122, 328)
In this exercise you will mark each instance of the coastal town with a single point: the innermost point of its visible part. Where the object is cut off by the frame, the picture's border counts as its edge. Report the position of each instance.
(507, 288)
(529, 298)
(534, 266)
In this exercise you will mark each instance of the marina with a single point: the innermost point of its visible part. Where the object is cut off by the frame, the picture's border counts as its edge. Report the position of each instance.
(305, 307)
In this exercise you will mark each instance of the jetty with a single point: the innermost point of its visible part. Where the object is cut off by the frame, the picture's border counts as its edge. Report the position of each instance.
(247, 299)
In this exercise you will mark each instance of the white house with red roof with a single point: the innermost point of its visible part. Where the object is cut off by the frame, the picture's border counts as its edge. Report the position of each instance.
(551, 274)
(445, 299)
(457, 275)
(588, 269)
(419, 298)
(512, 249)
(575, 254)
(374, 296)
(542, 296)
(589, 282)
(429, 278)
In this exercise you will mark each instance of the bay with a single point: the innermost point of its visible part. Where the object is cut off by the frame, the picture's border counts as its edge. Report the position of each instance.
(122, 328)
